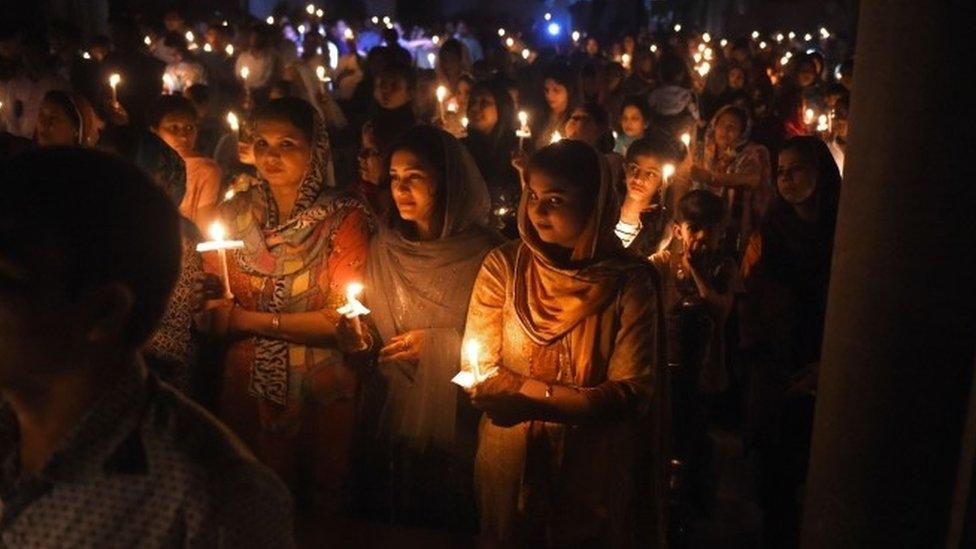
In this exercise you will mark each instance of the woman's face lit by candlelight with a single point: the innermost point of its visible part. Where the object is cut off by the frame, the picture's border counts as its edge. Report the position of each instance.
(728, 128)
(414, 189)
(282, 153)
(737, 78)
(796, 178)
(555, 209)
(483, 112)
(179, 131)
(632, 121)
(557, 96)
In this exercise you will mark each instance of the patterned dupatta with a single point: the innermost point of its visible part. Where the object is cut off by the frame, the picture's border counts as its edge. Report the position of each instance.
(282, 250)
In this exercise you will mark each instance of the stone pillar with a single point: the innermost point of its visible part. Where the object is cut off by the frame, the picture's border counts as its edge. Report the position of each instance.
(898, 354)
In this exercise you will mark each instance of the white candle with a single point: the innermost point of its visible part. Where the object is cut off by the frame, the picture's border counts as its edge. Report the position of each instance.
(113, 82)
(219, 244)
(432, 59)
(353, 309)
(686, 139)
(323, 79)
(441, 93)
(666, 172)
(168, 84)
(524, 131)
(234, 123)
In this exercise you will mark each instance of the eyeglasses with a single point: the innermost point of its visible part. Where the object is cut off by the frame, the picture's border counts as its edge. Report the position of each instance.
(640, 174)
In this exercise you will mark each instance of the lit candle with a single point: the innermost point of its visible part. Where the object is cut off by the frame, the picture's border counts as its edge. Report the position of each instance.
(229, 50)
(576, 36)
(207, 47)
(432, 59)
(323, 79)
(524, 130)
(706, 38)
(677, 28)
(526, 54)
(320, 13)
(441, 95)
(269, 20)
(464, 122)
(471, 375)
(234, 123)
(686, 139)
(310, 9)
(245, 72)
(666, 172)
(755, 34)
(147, 41)
(219, 244)
(348, 34)
(822, 125)
(704, 68)
(556, 137)
(353, 309)
(501, 32)
(809, 116)
(653, 48)
(113, 82)
(435, 39)
(168, 84)
(625, 60)
(510, 41)
(189, 36)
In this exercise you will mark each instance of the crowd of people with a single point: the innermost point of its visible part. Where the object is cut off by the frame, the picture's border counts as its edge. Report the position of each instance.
(626, 241)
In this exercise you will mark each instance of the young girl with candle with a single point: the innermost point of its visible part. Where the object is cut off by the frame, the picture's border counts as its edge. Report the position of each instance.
(567, 446)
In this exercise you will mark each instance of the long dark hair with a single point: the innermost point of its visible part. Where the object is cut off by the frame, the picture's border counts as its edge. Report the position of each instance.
(427, 143)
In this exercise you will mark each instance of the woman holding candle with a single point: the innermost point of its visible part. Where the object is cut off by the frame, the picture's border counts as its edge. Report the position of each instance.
(420, 272)
(491, 141)
(562, 96)
(174, 119)
(736, 169)
(287, 390)
(567, 447)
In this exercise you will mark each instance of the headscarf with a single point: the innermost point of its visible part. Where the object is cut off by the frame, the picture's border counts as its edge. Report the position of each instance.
(81, 113)
(282, 249)
(553, 296)
(426, 285)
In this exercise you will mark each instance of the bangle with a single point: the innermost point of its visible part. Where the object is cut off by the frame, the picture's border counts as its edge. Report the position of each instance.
(275, 322)
(549, 390)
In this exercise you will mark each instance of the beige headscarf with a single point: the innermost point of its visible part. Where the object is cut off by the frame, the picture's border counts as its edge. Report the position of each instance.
(552, 296)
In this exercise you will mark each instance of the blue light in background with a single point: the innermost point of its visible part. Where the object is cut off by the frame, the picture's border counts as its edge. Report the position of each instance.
(554, 29)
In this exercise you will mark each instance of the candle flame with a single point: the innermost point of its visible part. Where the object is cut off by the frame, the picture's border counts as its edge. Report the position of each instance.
(523, 118)
(229, 194)
(576, 36)
(229, 50)
(653, 48)
(189, 36)
(168, 83)
(809, 116)
(233, 121)
(510, 41)
(526, 53)
(431, 58)
(310, 9)
(501, 32)
(686, 139)
(556, 137)
(245, 72)
(217, 231)
(441, 93)
(667, 171)
(435, 39)
(320, 72)
(147, 41)
(348, 34)
(269, 20)
(353, 306)
(114, 79)
(207, 47)
(464, 122)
